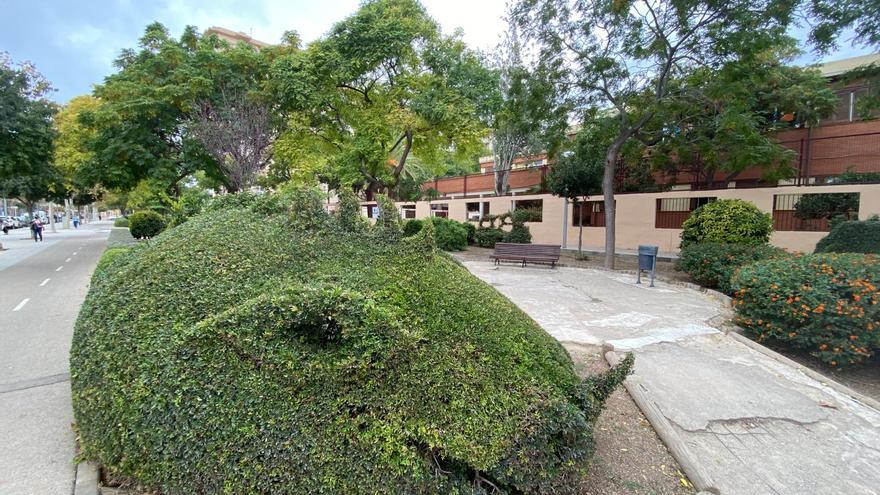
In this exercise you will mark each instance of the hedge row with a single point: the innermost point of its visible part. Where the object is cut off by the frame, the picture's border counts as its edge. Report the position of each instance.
(823, 303)
(852, 237)
(303, 352)
(448, 234)
(712, 265)
(120, 222)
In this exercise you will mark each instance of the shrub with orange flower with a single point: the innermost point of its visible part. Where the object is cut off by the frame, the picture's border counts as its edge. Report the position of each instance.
(823, 303)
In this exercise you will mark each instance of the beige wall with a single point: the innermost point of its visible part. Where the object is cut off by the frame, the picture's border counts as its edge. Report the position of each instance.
(636, 215)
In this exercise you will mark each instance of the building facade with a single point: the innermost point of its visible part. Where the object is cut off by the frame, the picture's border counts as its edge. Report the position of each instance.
(842, 145)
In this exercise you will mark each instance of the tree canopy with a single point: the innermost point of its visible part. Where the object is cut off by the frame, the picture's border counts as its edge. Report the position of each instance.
(384, 86)
(634, 58)
(26, 133)
(142, 128)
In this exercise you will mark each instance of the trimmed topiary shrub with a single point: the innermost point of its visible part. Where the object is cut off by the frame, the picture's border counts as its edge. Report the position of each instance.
(712, 265)
(412, 227)
(727, 221)
(291, 355)
(823, 303)
(449, 234)
(146, 224)
(120, 222)
(487, 237)
(852, 237)
(518, 234)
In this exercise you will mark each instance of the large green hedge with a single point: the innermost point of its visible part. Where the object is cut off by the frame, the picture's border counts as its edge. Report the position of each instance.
(712, 265)
(826, 304)
(852, 237)
(120, 222)
(727, 221)
(294, 355)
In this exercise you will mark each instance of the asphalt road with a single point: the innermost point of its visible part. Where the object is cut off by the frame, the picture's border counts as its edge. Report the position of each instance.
(41, 289)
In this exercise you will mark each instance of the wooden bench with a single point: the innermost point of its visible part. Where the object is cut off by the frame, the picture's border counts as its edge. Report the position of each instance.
(537, 253)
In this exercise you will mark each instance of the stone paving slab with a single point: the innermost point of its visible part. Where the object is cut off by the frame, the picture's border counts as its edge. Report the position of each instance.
(753, 424)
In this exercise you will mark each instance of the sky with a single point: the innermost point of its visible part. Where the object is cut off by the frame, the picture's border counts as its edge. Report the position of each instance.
(74, 42)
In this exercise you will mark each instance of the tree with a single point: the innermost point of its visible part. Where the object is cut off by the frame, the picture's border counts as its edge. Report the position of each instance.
(143, 128)
(26, 134)
(830, 19)
(238, 132)
(622, 55)
(578, 175)
(722, 120)
(73, 156)
(383, 86)
(524, 119)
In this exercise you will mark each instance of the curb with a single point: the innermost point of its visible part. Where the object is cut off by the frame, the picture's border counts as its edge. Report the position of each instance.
(737, 334)
(86, 481)
(674, 443)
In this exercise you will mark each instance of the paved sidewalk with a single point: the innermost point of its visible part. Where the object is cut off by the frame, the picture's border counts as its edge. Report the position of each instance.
(41, 288)
(753, 424)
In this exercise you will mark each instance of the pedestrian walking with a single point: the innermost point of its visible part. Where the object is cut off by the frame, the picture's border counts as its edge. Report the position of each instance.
(76, 221)
(37, 228)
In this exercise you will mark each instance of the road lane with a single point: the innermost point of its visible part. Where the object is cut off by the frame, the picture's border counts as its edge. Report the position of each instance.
(35, 410)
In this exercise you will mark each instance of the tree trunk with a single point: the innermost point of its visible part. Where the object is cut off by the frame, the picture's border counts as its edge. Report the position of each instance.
(52, 217)
(608, 193)
(66, 224)
(580, 238)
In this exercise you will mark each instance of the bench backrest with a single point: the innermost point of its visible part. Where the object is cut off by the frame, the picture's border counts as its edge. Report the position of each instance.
(542, 250)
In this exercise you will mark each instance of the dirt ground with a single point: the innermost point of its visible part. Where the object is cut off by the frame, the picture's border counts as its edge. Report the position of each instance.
(630, 458)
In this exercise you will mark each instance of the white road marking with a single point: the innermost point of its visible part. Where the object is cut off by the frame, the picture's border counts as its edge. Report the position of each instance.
(68, 260)
(22, 303)
(44, 282)
(59, 268)
(75, 253)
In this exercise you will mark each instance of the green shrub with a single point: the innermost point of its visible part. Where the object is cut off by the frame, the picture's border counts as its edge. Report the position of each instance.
(449, 234)
(823, 303)
(487, 237)
(527, 215)
(827, 205)
(712, 265)
(295, 356)
(471, 232)
(412, 227)
(518, 234)
(727, 221)
(120, 222)
(146, 224)
(852, 237)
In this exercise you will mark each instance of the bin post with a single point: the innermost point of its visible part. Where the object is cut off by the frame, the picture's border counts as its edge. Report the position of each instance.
(647, 261)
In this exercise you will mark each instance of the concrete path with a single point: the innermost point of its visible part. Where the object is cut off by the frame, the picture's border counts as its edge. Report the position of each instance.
(41, 288)
(753, 424)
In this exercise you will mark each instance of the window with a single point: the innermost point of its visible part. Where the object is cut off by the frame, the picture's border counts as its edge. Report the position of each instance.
(812, 212)
(672, 212)
(592, 213)
(440, 210)
(474, 211)
(408, 211)
(370, 211)
(534, 207)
